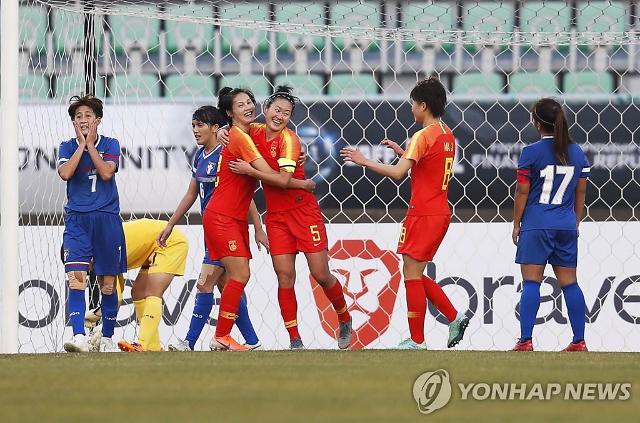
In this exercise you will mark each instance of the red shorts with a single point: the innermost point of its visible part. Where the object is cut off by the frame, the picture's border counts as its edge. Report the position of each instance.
(301, 229)
(225, 236)
(421, 236)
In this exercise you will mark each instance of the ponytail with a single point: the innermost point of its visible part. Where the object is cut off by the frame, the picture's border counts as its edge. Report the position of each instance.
(561, 138)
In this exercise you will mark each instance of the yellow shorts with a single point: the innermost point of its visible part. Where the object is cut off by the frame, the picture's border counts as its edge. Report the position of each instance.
(171, 259)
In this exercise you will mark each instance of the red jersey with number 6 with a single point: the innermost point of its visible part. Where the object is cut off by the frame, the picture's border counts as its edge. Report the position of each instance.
(432, 149)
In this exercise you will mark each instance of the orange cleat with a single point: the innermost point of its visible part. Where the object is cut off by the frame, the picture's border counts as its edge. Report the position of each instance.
(523, 345)
(130, 347)
(577, 347)
(226, 343)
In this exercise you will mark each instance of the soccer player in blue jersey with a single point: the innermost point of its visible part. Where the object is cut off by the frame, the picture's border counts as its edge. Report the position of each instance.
(93, 228)
(205, 123)
(549, 201)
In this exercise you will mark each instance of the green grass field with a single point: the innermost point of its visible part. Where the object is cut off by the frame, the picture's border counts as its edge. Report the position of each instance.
(305, 386)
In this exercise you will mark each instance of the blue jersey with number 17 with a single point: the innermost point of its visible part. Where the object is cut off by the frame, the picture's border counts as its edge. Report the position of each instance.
(552, 189)
(86, 191)
(205, 171)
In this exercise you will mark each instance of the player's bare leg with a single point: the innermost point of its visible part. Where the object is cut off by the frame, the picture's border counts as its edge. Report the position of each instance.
(532, 275)
(238, 272)
(319, 269)
(574, 299)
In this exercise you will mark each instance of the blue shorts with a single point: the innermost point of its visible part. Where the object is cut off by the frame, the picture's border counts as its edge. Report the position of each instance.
(97, 238)
(207, 260)
(553, 246)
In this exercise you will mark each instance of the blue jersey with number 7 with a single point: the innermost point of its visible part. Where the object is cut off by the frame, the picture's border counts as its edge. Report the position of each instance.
(86, 191)
(552, 192)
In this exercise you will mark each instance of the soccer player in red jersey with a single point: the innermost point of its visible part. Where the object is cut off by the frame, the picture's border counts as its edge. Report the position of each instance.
(294, 220)
(430, 158)
(225, 218)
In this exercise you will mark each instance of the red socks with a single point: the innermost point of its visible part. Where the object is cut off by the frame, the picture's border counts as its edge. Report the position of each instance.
(336, 296)
(229, 303)
(416, 309)
(289, 311)
(436, 295)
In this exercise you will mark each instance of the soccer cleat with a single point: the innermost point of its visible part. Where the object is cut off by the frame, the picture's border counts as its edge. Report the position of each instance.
(95, 335)
(92, 318)
(256, 346)
(78, 344)
(344, 334)
(456, 330)
(226, 343)
(526, 345)
(107, 345)
(130, 347)
(296, 344)
(410, 344)
(580, 346)
(179, 346)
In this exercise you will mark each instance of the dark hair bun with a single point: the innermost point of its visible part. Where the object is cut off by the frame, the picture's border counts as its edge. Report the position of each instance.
(224, 91)
(283, 89)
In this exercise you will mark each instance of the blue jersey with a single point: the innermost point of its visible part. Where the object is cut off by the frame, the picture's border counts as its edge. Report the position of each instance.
(205, 170)
(86, 191)
(552, 194)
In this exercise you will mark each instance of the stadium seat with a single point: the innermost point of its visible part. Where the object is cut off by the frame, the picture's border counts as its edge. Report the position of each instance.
(134, 32)
(477, 83)
(184, 34)
(542, 83)
(545, 16)
(299, 13)
(589, 83)
(362, 14)
(302, 84)
(234, 37)
(429, 17)
(33, 86)
(601, 16)
(488, 17)
(256, 83)
(631, 85)
(135, 86)
(68, 31)
(352, 84)
(33, 28)
(190, 86)
(70, 85)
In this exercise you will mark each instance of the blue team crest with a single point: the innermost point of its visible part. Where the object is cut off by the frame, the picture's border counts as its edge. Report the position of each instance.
(210, 167)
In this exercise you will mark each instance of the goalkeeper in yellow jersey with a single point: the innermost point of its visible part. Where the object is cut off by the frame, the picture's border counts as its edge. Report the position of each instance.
(158, 265)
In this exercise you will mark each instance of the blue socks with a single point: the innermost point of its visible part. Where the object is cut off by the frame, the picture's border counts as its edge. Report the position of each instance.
(77, 308)
(574, 298)
(243, 322)
(201, 312)
(109, 313)
(529, 304)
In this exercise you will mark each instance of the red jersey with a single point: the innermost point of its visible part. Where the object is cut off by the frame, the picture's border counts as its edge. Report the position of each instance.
(432, 149)
(234, 192)
(281, 153)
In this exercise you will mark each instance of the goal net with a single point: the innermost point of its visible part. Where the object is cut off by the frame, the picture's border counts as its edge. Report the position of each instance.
(352, 63)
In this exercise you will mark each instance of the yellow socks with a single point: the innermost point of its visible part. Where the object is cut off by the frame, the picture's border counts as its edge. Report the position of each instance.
(148, 335)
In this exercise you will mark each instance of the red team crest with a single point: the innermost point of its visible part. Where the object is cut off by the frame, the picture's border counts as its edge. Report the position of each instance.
(370, 278)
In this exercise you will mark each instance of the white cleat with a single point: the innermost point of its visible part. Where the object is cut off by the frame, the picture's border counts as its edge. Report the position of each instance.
(92, 317)
(256, 347)
(107, 345)
(181, 345)
(94, 338)
(78, 344)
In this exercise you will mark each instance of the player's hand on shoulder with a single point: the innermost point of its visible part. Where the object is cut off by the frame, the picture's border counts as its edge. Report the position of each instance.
(515, 234)
(240, 167)
(164, 235)
(223, 136)
(309, 185)
(353, 155)
(394, 146)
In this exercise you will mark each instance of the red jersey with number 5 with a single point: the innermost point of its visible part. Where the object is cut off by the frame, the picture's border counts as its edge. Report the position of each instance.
(432, 149)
